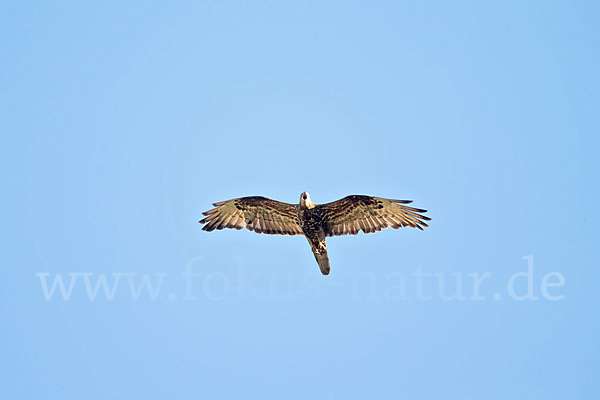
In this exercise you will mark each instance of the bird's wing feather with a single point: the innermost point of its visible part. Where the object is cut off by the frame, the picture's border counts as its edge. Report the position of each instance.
(351, 214)
(256, 213)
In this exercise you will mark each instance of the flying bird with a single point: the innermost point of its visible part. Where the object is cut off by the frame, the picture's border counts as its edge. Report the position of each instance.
(346, 216)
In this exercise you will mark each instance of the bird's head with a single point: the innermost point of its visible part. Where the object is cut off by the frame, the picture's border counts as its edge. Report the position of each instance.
(305, 200)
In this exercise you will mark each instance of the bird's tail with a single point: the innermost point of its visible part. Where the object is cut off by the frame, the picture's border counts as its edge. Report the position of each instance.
(322, 260)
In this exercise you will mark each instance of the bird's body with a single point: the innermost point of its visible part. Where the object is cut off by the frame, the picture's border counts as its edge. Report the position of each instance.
(311, 222)
(315, 221)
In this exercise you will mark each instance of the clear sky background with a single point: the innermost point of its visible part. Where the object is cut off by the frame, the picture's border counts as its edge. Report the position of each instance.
(122, 121)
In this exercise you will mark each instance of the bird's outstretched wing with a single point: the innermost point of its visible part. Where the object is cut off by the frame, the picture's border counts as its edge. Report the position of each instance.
(256, 213)
(351, 214)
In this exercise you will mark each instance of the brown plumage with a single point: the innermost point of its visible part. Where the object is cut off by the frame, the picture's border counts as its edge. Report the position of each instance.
(346, 216)
(256, 213)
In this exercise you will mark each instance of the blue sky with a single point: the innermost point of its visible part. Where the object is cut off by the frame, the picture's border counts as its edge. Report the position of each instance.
(122, 122)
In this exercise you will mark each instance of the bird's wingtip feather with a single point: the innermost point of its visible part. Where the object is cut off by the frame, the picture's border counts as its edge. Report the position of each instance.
(402, 201)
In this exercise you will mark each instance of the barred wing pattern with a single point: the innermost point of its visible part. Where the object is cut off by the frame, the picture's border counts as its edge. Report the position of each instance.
(351, 214)
(256, 213)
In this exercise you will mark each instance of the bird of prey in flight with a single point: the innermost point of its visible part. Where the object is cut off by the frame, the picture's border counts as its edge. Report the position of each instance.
(346, 216)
